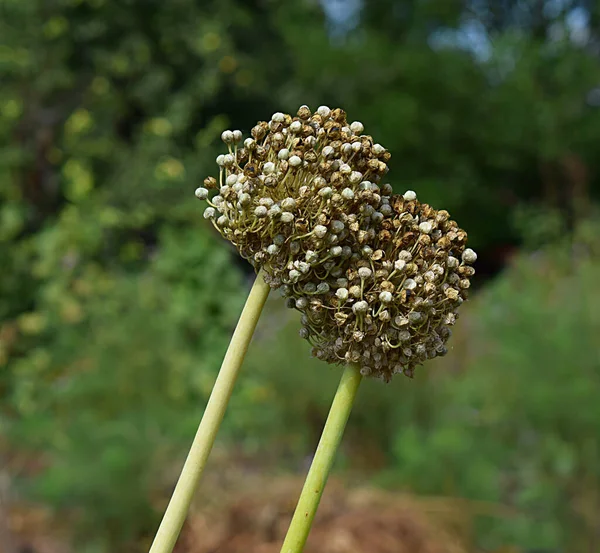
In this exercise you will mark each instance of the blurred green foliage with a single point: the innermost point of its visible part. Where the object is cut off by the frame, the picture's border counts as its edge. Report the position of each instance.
(116, 300)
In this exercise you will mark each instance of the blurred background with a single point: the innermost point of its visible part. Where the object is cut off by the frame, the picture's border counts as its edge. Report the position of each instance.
(117, 300)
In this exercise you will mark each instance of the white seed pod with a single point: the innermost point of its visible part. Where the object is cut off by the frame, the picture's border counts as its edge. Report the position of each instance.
(311, 256)
(336, 226)
(386, 210)
(322, 288)
(295, 126)
(452, 262)
(228, 160)
(385, 297)
(360, 307)
(250, 144)
(294, 275)
(324, 111)
(209, 213)
(244, 199)
(336, 251)
(304, 333)
(356, 147)
(326, 192)
(345, 169)
(355, 177)
(469, 256)
(303, 267)
(287, 217)
(357, 127)
(201, 193)
(278, 117)
(320, 231)
(268, 168)
(327, 151)
(274, 211)
(364, 272)
(231, 180)
(405, 255)
(342, 294)
(301, 303)
(237, 136)
(272, 249)
(347, 194)
(410, 195)
(409, 284)
(295, 161)
(425, 227)
(378, 149)
(289, 204)
(261, 211)
(221, 160)
(227, 137)
(223, 221)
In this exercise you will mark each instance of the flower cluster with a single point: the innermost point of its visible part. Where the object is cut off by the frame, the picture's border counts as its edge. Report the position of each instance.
(297, 196)
(394, 306)
(377, 277)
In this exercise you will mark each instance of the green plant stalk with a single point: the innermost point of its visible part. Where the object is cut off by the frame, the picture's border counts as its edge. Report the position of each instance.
(178, 507)
(316, 479)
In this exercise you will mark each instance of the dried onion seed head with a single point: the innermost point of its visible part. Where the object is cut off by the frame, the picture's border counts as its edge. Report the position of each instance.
(393, 307)
(300, 196)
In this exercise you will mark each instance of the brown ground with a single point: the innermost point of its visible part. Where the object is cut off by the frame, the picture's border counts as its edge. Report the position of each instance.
(255, 519)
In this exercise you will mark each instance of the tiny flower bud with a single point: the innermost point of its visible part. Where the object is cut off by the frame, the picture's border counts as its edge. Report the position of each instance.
(295, 161)
(227, 137)
(209, 213)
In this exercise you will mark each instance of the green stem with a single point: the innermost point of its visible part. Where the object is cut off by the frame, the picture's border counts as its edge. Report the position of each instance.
(178, 507)
(319, 471)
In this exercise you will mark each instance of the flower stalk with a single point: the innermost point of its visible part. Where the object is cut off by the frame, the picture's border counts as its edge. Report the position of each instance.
(178, 507)
(323, 460)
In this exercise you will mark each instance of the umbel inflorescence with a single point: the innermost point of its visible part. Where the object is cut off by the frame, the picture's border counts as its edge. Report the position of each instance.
(298, 195)
(395, 304)
(378, 278)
